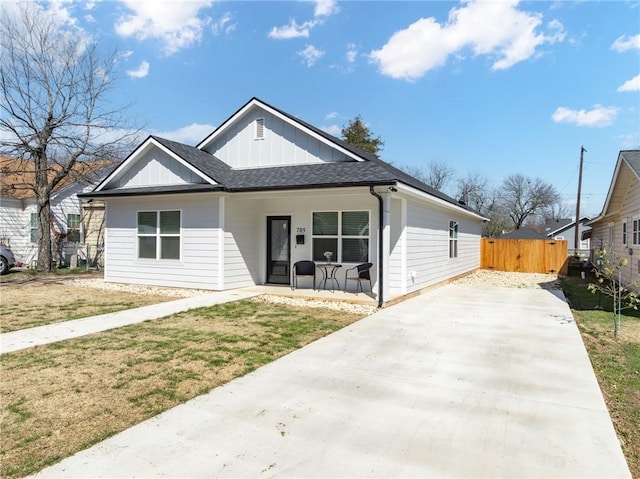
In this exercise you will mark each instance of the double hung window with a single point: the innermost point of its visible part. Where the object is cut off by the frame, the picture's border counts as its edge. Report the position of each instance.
(636, 232)
(453, 239)
(73, 227)
(33, 227)
(159, 234)
(341, 236)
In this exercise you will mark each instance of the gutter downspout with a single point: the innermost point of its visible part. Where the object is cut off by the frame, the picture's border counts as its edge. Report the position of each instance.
(380, 238)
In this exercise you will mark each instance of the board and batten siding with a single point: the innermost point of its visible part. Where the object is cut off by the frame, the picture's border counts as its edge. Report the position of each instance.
(282, 144)
(198, 264)
(156, 168)
(428, 245)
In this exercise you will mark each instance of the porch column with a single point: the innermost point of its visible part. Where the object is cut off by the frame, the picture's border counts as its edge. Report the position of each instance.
(386, 243)
(221, 242)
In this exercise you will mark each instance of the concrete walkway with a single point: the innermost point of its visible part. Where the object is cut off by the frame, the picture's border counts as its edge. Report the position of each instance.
(460, 382)
(27, 338)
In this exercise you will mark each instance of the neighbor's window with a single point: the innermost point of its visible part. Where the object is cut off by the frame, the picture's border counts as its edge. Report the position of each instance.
(636, 232)
(73, 227)
(159, 234)
(453, 239)
(343, 233)
(34, 227)
(624, 233)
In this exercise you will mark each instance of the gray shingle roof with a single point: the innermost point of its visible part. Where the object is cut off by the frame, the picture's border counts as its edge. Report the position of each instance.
(632, 157)
(369, 172)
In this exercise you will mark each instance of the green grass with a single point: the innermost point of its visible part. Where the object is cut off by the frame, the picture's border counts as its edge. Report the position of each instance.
(616, 361)
(61, 398)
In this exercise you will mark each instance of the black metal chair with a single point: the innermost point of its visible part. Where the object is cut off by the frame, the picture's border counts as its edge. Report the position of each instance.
(359, 273)
(304, 268)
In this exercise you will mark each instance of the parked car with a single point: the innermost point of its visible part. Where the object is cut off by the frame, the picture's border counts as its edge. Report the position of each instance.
(7, 260)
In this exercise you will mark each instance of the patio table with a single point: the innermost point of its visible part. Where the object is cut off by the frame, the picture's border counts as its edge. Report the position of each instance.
(328, 274)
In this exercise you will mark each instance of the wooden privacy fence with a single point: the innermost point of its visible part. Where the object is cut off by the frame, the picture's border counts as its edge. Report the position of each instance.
(524, 255)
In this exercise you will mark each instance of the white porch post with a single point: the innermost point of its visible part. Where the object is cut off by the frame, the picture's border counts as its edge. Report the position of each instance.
(386, 243)
(221, 242)
(403, 245)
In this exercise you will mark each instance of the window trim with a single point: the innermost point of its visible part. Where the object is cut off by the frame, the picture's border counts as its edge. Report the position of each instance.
(78, 227)
(33, 228)
(454, 229)
(259, 129)
(340, 237)
(624, 233)
(635, 231)
(158, 236)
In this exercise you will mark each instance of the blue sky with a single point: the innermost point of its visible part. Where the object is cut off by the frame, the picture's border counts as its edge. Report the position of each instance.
(493, 87)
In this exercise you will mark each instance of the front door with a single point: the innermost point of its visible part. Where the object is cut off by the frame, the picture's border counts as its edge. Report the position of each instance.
(278, 249)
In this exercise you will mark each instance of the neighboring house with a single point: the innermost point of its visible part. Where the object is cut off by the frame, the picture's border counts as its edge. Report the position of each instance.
(565, 229)
(18, 213)
(524, 233)
(617, 227)
(265, 190)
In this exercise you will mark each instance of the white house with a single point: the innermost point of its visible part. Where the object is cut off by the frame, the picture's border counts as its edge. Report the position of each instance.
(617, 227)
(18, 210)
(265, 190)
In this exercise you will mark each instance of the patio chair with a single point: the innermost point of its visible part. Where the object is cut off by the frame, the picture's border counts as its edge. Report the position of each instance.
(304, 268)
(359, 273)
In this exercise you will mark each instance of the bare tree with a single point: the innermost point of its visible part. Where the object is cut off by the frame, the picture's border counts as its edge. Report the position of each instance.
(55, 109)
(475, 190)
(437, 174)
(522, 197)
(557, 211)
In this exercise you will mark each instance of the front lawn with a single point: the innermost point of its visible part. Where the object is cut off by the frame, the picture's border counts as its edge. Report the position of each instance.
(61, 398)
(616, 362)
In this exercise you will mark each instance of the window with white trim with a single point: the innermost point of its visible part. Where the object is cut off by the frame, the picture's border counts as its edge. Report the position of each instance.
(259, 133)
(33, 227)
(73, 227)
(159, 234)
(453, 239)
(342, 235)
(624, 232)
(636, 232)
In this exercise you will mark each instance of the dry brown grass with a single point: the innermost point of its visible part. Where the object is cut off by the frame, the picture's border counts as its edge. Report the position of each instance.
(64, 397)
(45, 301)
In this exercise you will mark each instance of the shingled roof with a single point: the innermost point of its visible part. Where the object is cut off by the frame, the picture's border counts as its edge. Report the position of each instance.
(366, 170)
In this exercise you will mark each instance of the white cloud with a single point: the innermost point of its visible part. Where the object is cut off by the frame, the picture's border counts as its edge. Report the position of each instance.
(491, 28)
(352, 53)
(331, 115)
(190, 134)
(631, 85)
(323, 9)
(599, 116)
(293, 30)
(140, 72)
(223, 25)
(334, 130)
(175, 26)
(311, 55)
(624, 43)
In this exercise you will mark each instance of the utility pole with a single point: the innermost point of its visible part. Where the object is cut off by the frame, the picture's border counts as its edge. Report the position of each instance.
(576, 239)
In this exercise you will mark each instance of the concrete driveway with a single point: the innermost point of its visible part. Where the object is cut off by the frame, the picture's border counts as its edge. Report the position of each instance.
(463, 381)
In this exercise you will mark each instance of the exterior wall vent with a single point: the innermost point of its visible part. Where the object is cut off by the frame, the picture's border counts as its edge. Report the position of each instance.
(259, 129)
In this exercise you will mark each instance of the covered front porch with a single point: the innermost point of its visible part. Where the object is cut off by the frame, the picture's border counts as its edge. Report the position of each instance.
(307, 293)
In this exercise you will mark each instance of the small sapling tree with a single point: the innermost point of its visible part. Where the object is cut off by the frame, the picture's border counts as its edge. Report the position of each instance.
(609, 282)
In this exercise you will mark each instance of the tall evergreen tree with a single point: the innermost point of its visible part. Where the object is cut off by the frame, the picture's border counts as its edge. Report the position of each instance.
(358, 134)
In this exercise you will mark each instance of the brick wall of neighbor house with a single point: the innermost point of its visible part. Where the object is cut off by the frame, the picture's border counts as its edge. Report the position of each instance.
(198, 264)
(600, 234)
